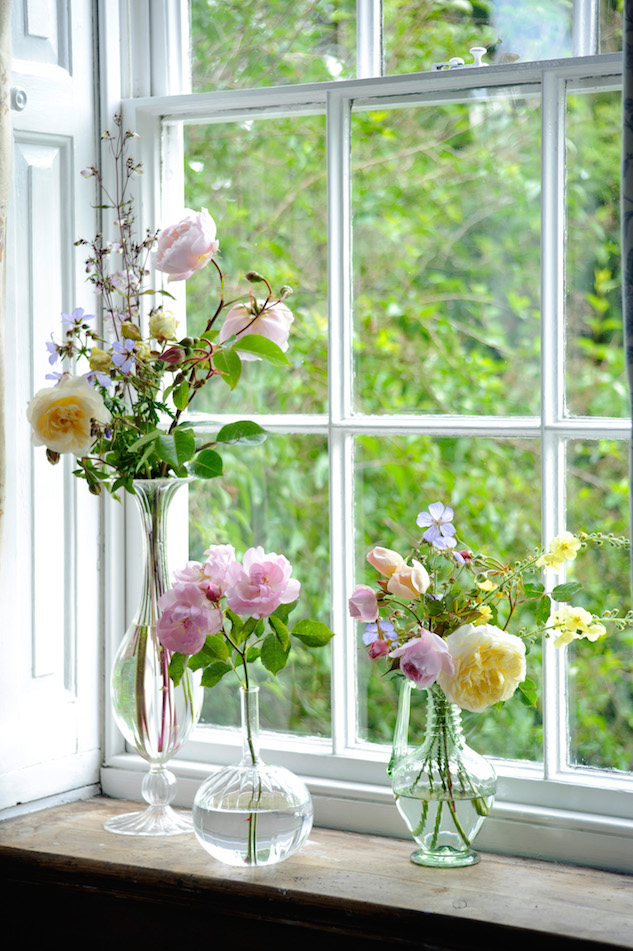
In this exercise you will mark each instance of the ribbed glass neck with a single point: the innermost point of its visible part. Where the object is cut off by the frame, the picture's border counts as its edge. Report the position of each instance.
(153, 497)
(443, 719)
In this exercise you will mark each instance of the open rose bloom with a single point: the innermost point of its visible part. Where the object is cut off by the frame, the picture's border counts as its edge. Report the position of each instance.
(273, 323)
(489, 665)
(187, 246)
(62, 416)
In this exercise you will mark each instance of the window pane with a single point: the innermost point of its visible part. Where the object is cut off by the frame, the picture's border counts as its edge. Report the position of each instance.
(493, 486)
(595, 355)
(611, 25)
(274, 495)
(447, 257)
(264, 183)
(417, 35)
(271, 42)
(601, 673)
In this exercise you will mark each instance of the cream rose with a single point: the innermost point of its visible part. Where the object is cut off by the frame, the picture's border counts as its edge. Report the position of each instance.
(62, 415)
(489, 666)
(409, 581)
(385, 560)
(162, 325)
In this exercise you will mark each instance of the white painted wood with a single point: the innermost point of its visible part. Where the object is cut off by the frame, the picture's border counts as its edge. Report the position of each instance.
(49, 680)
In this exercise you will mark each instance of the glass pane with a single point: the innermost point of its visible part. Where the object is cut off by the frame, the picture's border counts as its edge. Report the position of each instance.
(264, 184)
(494, 487)
(595, 355)
(447, 257)
(271, 42)
(600, 673)
(274, 495)
(611, 25)
(417, 35)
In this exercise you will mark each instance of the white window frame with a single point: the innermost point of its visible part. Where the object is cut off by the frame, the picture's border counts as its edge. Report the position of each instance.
(544, 810)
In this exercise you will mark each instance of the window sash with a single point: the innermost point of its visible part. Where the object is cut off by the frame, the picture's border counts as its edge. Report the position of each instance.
(360, 766)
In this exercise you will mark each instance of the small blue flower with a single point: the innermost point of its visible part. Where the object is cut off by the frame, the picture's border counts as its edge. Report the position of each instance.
(440, 532)
(123, 355)
(387, 630)
(77, 317)
(51, 346)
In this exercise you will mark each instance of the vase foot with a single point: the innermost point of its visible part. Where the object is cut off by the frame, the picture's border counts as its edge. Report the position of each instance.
(155, 820)
(445, 857)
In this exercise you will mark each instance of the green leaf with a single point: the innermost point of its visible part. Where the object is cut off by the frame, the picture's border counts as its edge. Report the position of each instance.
(262, 347)
(281, 631)
(243, 431)
(533, 590)
(177, 448)
(543, 610)
(312, 633)
(216, 646)
(207, 465)
(148, 437)
(252, 654)
(229, 365)
(527, 693)
(177, 666)
(214, 673)
(565, 592)
(237, 627)
(181, 395)
(284, 611)
(274, 656)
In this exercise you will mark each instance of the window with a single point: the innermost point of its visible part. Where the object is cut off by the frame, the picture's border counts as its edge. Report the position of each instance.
(452, 237)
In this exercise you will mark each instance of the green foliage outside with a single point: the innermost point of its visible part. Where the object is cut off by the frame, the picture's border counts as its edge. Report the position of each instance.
(446, 317)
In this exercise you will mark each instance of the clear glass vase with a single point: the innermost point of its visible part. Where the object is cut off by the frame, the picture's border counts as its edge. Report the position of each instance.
(154, 716)
(251, 813)
(444, 790)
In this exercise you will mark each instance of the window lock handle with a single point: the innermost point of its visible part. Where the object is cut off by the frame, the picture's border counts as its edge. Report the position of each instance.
(456, 62)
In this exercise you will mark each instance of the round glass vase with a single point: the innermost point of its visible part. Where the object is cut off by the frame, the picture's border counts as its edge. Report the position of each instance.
(444, 790)
(251, 813)
(154, 716)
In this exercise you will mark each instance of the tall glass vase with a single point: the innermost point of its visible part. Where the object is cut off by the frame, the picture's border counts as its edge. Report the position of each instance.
(251, 813)
(154, 716)
(444, 790)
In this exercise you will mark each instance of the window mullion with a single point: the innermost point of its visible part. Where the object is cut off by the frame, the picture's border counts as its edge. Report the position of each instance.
(340, 444)
(369, 39)
(586, 24)
(553, 391)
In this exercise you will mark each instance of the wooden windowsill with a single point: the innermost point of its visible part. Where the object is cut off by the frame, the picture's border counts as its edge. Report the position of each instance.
(348, 890)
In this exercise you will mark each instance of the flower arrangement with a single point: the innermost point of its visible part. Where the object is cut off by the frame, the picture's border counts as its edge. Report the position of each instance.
(222, 614)
(441, 615)
(123, 417)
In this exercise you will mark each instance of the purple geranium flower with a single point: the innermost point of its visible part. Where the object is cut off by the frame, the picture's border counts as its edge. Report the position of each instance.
(96, 376)
(440, 529)
(387, 630)
(51, 346)
(123, 355)
(77, 317)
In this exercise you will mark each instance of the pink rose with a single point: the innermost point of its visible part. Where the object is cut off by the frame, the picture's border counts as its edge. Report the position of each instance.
(186, 619)
(378, 649)
(187, 246)
(196, 573)
(219, 560)
(363, 603)
(273, 323)
(385, 560)
(259, 586)
(423, 658)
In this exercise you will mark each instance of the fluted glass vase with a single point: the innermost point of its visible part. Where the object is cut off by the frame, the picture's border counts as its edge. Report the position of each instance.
(444, 790)
(154, 716)
(252, 813)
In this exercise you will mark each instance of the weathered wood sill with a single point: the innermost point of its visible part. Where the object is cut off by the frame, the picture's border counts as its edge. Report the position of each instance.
(64, 876)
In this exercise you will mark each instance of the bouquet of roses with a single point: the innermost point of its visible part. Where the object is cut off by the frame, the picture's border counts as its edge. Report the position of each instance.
(221, 615)
(441, 615)
(123, 417)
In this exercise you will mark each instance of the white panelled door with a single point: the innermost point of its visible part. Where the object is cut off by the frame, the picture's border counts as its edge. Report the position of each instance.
(50, 619)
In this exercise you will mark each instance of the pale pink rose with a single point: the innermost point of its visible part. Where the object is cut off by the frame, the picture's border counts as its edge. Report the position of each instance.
(363, 604)
(186, 619)
(261, 584)
(423, 658)
(195, 572)
(274, 323)
(409, 581)
(187, 246)
(385, 560)
(219, 560)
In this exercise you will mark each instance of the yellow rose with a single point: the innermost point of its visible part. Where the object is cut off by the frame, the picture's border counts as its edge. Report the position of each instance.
(489, 666)
(62, 415)
(162, 325)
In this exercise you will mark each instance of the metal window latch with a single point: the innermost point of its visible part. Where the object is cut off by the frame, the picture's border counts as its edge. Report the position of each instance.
(456, 62)
(18, 98)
